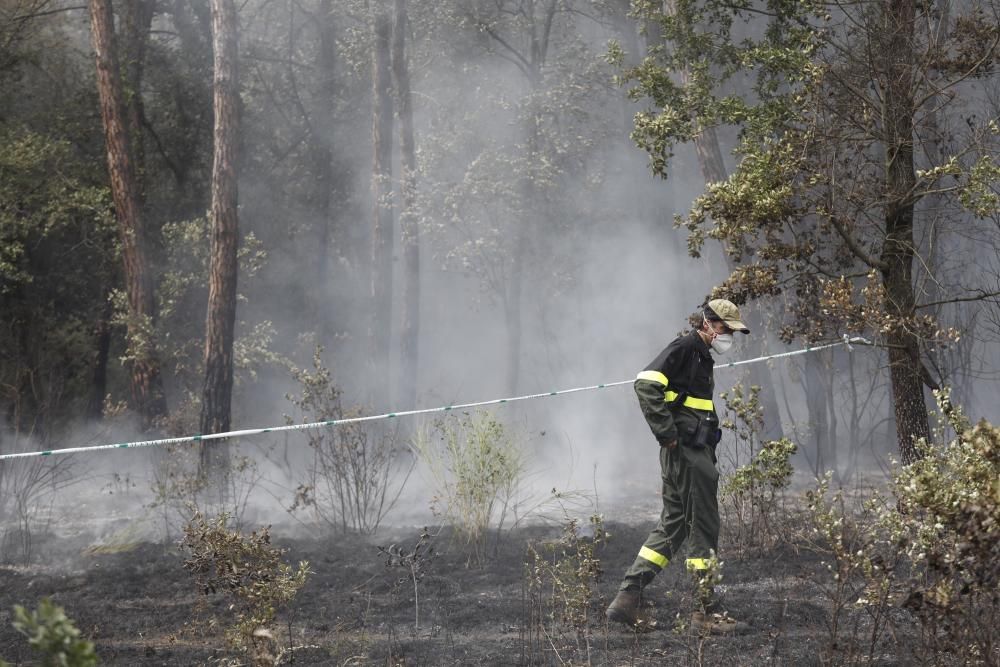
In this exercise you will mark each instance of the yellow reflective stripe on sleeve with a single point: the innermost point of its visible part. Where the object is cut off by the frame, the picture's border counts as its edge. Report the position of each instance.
(653, 376)
(692, 402)
(697, 563)
(653, 557)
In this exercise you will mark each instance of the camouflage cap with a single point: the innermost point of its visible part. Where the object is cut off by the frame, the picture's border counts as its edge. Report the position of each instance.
(728, 313)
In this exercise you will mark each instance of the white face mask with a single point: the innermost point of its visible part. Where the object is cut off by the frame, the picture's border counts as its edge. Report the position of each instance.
(722, 342)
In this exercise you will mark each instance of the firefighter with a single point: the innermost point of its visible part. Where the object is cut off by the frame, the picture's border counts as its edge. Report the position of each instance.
(675, 393)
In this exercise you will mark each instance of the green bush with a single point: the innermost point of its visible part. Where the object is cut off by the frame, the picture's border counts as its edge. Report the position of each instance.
(246, 570)
(475, 466)
(561, 578)
(751, 496)
(934, 551)
(52, 634)
(949, 501)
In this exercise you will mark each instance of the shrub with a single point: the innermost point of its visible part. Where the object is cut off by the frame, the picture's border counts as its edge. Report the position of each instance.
(752, 494)
(861, 553)
(52, 634)
(249, 573)
(561, 588)
(934, 551)
(414, 562)
(950, 507)
(355, 477)
(180, 488)
(475, 466)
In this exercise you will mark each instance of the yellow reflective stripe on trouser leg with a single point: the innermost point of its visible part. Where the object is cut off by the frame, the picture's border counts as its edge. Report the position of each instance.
(653, 557)
(653, 376)
(696, 563)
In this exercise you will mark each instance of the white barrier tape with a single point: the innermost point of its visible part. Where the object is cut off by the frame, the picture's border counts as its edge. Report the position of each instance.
(392, 415)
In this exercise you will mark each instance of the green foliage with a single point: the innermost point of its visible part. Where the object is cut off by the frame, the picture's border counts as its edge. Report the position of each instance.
(475, 465)
(183, 290)
(704, 44)
(53, 635)
(57, 244)
(561, 579)
(752, 495)
(933, 551)
(863, 558)
(705, 580)
(247, 571)
(950, 509)
(807, 92)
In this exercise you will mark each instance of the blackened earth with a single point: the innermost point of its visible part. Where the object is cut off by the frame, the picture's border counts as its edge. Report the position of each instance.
(140, 607)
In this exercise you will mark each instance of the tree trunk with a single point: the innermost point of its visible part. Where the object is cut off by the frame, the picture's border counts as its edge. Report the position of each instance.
(221, 317)
(146, 382)
(898, 248)
(410, 331)
(99, 384)
(137, 17)
(822, 418)
(382, 233)
(322, 151)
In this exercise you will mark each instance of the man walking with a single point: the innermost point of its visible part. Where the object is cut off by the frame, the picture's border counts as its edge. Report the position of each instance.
(675, 393)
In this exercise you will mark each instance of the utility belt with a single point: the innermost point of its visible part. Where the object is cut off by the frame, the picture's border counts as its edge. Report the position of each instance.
(698, 426)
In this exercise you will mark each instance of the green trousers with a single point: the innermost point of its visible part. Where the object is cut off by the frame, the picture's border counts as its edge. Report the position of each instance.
(690, 512)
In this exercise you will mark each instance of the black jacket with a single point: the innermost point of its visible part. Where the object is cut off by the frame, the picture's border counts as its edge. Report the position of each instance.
(678, 386)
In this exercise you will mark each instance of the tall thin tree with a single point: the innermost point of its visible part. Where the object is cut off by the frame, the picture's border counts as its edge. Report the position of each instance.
(382, 233)
(410, 330)
(146, 381)
(221, 317)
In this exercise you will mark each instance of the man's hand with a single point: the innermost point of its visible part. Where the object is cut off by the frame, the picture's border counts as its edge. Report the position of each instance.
(669, 444)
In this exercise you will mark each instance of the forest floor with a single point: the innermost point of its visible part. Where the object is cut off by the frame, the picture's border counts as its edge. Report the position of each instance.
(139, 605)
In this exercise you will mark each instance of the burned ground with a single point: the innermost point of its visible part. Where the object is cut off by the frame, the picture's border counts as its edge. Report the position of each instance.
(139, 606)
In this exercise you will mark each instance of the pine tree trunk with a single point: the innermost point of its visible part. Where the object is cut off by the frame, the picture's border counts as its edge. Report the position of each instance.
(146, 382)
(898, 248)
(221, 317)
(410, 330)
(99, 383)
(382, 232)
(137, 17)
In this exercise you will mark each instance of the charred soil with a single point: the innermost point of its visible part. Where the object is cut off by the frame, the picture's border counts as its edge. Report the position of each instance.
(140, 607)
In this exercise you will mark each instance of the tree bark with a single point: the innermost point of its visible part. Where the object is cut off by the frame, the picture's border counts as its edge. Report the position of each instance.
(146, 382)
(137, 17)
(822, 419)
(410, 330)
(221, 317)
(898, 250)
(382, 231)
(99, 383)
